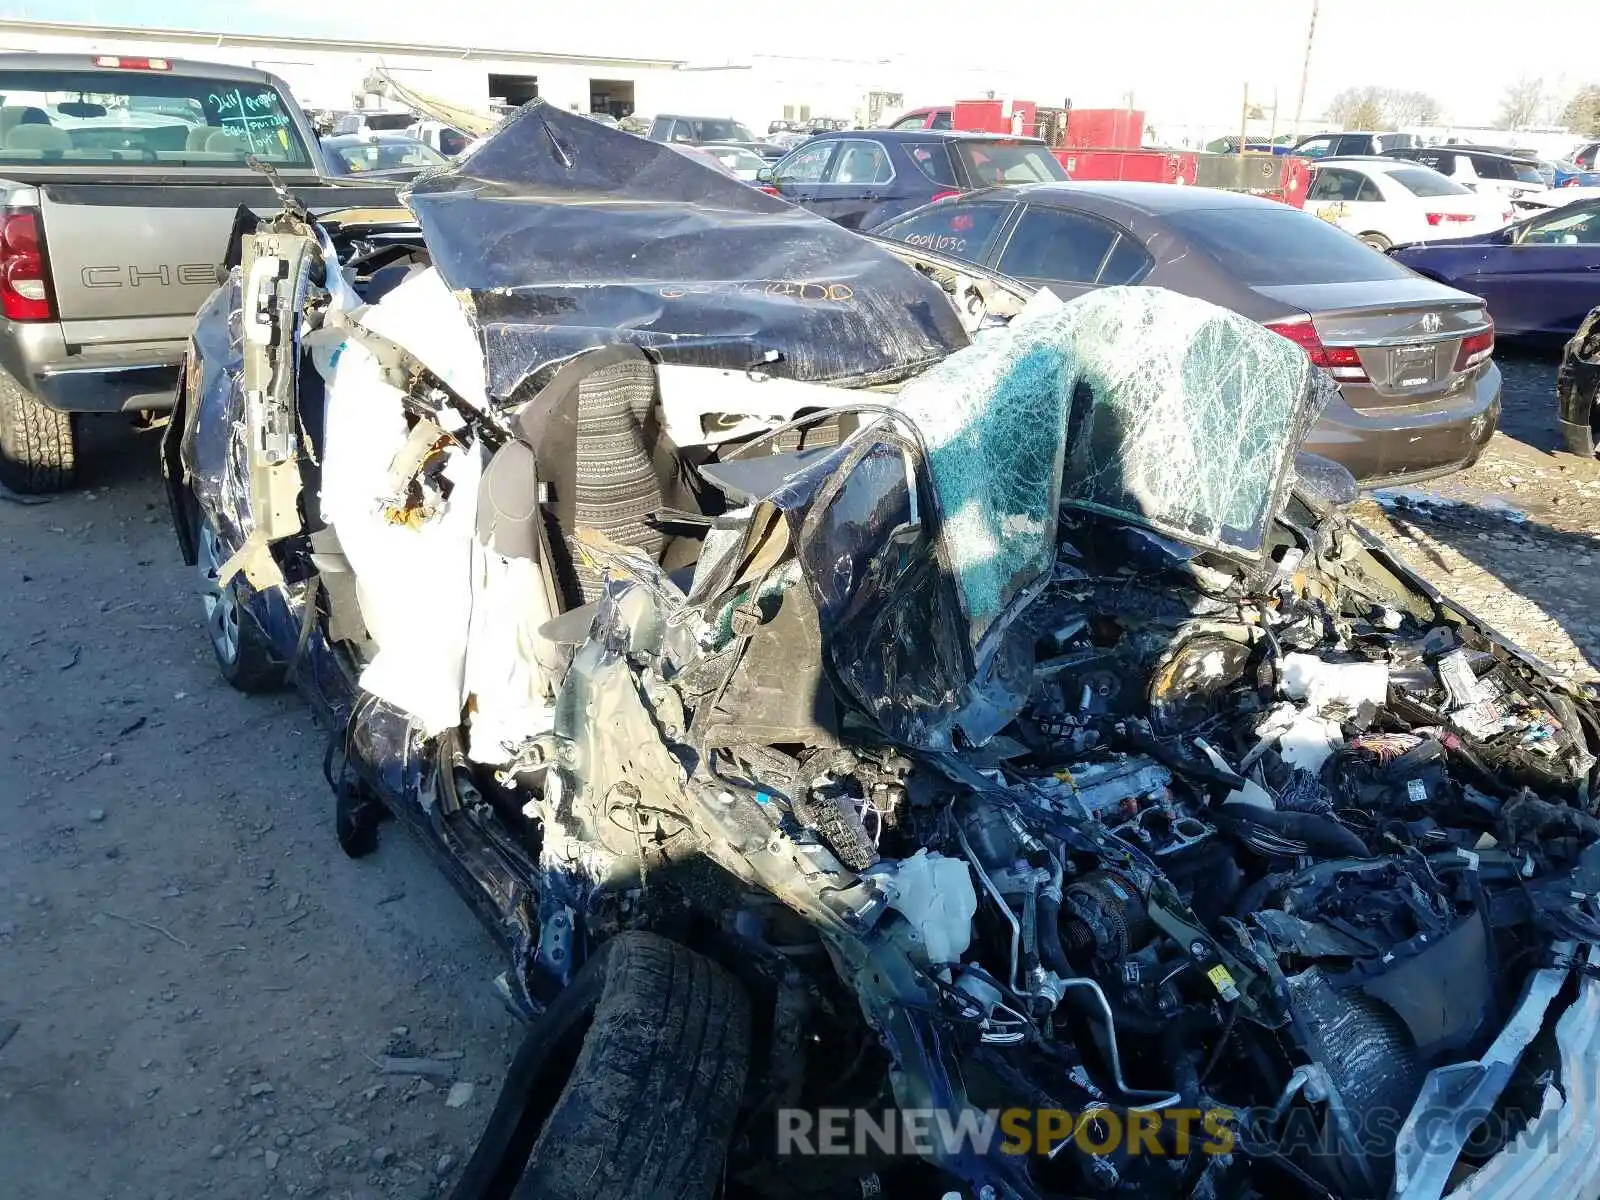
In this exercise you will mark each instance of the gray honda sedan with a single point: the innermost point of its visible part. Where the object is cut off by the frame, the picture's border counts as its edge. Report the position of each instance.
(1420, 393)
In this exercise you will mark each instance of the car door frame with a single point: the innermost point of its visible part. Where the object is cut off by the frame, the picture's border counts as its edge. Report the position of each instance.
(849, 204)
(794, 193)
(1062, 289)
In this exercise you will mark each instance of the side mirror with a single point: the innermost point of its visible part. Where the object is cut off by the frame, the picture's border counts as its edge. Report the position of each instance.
(765, 175)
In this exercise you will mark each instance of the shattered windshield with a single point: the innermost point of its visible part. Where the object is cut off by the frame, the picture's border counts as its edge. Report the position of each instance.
(1137, 403)
(1188, 416)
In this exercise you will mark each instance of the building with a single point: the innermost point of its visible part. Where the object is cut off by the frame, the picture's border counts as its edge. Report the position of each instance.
(333, 73)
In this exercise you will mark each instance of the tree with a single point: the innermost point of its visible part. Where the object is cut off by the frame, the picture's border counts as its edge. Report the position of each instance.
(1521, 103)
(1357, 108)
(1413, 108)
(1582, 112)
(1372, 107)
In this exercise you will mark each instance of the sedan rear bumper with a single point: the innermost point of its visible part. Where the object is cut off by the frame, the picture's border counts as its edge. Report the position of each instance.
(1408, 443)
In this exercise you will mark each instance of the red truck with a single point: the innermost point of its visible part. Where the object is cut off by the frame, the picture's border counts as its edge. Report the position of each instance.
(1107, 144)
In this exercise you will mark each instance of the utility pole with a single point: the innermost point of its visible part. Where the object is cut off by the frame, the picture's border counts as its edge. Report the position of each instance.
(1305, 68)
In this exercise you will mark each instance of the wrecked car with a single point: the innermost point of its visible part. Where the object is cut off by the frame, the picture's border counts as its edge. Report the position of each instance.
(1578, 389)
(913, 737)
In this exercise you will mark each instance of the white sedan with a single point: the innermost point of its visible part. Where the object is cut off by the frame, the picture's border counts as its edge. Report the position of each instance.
(1387, 202)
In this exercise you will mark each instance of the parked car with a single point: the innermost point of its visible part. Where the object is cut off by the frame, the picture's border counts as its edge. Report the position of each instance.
(445, 139)
(1230, 145)
(374, 120)
(1385, 202)
(941, 117)
(1578, 389)
(863, 178)
(115, 225)
(1343, 145)
(703, 154)
(1588, 157)
(1539, 277)
(744, 163)
(1041, 740)
(1419, 392)
(702, 131)
(396, 156)
(1480, 170)
(1565, 174)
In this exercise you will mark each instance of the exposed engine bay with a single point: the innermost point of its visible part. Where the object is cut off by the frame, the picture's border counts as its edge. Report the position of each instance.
(1025, 725)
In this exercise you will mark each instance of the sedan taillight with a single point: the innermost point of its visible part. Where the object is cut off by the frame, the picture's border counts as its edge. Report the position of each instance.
(1442, 218)
(24, 293)
(1475, 348)
(1342, 362)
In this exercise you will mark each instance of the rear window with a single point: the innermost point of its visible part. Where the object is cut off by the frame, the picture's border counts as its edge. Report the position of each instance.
(1280, 245)
(389, 122)
(710, 130)
(990, 164)
(397, 154)
(1421, 182)
(933, 160)
(953, 228)
(129, 118)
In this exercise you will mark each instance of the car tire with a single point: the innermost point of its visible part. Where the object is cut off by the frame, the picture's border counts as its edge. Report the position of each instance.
(1378, 242)
(38, 447)
(626, 1087)
(243, 653)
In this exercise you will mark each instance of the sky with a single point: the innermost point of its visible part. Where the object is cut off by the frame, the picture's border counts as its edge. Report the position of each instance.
(1183, 59)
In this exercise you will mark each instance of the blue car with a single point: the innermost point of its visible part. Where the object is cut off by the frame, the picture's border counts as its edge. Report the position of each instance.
(1539, 277)
(1570, 174)
(861, 178)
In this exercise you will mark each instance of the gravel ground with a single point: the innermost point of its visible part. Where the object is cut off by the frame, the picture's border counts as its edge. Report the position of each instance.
(1517, 537)
(196, 982)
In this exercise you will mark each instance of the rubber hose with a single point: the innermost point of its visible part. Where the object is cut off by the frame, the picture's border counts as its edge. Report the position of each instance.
(1051, 952)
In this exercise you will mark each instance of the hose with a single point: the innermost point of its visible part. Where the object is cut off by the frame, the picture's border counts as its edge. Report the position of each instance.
(1155, 1099)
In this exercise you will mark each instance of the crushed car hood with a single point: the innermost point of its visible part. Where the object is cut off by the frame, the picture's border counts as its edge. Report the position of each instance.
(562, 234)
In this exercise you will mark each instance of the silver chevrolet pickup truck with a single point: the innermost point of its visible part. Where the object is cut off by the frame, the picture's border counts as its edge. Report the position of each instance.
(121, 181)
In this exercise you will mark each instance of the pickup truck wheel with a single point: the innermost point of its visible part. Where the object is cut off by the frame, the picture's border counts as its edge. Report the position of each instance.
(626, 1087)
(244, 656)
(37, 450)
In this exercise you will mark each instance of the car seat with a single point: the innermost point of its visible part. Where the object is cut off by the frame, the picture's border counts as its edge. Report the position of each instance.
(38, 137)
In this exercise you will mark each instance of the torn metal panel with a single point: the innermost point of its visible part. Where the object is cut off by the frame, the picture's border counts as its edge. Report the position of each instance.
(563, 235)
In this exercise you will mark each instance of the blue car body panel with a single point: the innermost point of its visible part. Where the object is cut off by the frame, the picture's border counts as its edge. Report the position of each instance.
(1533, 289)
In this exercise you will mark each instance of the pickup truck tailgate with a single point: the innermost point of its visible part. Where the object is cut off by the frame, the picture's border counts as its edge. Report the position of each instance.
(145, 251)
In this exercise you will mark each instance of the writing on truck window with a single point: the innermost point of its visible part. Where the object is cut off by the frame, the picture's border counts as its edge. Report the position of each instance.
(250, 114)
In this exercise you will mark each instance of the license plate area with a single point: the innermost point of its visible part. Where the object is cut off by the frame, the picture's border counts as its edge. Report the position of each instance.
(1411, 366)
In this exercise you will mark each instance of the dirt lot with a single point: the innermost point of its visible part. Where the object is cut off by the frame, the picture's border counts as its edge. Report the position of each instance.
(197, 983)
(1516, 538)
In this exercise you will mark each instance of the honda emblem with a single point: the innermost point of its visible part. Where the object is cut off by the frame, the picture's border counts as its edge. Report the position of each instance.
(1432, 323)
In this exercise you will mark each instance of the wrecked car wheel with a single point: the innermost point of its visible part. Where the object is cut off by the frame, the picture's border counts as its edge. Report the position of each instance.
(244, 657)
(627, 1086)
(37, 450)
(355, 820)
